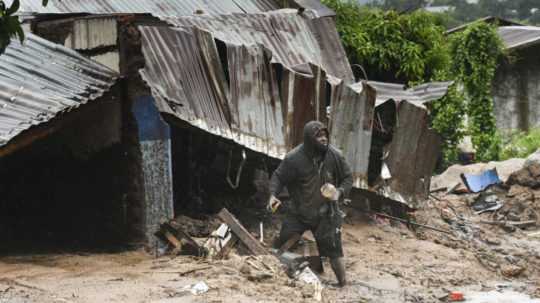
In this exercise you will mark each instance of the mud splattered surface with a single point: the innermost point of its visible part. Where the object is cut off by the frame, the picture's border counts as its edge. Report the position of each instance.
(385, 263)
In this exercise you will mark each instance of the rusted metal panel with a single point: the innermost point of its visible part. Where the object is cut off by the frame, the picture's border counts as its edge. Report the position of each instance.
(40, 79)
(419, 94)
(292, 39)
(154, 7)
(271, 85)
(351, 127)
(412, 154)
(254, 100)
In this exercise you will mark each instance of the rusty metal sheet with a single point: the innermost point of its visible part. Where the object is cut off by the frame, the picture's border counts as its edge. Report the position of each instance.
(154, 7)
(249, 99)
(351, 127)
(40, 79)
(412, 155)
(419, 94)
(292, 39)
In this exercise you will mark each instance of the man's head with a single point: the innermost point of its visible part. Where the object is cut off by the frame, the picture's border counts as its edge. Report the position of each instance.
(316, 137)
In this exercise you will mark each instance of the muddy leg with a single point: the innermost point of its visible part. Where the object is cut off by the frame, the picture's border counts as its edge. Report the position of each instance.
(338, 266)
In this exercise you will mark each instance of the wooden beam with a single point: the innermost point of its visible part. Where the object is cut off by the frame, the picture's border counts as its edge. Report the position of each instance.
(224, 252)
(243, 235)
(175, 242)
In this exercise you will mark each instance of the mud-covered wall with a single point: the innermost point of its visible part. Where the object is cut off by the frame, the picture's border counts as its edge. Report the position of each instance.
(516, 90)
(147, 142)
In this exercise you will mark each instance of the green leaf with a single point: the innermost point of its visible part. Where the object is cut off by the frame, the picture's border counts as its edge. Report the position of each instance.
(45, 2)
(13, 8)
(20, 32)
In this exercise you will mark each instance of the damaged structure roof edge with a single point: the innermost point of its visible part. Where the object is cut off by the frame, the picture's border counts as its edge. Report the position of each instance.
(40, 80)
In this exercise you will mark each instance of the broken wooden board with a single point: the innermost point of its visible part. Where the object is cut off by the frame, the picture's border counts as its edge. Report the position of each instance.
(180, 240)
(228, 247)
(173, 240)
(218, 240)
(243, 235)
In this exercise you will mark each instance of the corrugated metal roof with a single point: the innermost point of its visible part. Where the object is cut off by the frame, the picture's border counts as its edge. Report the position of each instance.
(315, 5)
(419, 94)
(292, 39)
(351, 127)
(40, 79)
(412, 155)
(256, 103)
(489, 19)
(154, 7)
(519, 36)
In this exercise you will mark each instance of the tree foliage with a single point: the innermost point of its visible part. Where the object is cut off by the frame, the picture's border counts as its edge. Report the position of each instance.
(391, 46)
(9, 23)
(476, 52)
(412, 48)
(404, 48)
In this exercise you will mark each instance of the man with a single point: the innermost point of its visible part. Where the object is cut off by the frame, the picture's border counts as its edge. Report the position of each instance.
(307, 171)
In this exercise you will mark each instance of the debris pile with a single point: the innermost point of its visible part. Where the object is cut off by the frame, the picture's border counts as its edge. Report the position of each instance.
(494, 217)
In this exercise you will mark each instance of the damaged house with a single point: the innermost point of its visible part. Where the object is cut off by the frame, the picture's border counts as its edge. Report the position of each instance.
(517, 78)
(516, 87)
(201, 100)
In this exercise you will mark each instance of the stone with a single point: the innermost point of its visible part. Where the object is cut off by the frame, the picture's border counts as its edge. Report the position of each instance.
(527, 176)
(511, 271)
(533, 158)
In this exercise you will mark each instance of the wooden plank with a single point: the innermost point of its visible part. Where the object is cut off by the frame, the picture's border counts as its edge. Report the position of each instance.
(172, 239)
(181, 241)
(243, 235)
(228, 247)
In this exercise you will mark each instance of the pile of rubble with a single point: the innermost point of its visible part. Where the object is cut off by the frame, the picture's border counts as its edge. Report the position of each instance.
(256, 262)
(497, 217)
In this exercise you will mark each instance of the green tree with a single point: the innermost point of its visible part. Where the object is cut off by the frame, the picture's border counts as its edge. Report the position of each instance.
(403, 5)
(9, 23)
(476, 52)
(404, 48)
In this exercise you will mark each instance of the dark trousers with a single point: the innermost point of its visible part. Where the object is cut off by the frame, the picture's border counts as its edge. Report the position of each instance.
(327, 234)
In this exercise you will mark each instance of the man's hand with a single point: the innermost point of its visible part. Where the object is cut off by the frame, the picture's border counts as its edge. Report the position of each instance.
(273, 204)
(330, 192)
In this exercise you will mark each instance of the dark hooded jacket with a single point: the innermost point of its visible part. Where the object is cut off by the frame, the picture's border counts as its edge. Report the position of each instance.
(305, 169)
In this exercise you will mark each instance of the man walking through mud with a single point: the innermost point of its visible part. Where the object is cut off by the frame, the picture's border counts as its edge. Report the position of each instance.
(317, 177)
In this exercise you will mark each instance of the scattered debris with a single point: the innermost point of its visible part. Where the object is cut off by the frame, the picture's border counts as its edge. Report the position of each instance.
(479, 182)
(307, 276)
(456, 296)
(487, 201)
(197, 288)
(218, 240)
(180, 240)
(243, 235)
(452, 176)
(528, 176)
(511, 271)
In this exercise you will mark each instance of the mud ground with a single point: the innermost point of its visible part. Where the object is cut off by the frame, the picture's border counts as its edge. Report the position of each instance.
(386, 263)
